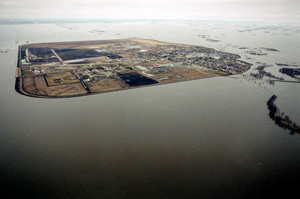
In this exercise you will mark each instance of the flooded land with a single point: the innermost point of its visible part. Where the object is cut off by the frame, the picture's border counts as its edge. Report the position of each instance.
(79, 68)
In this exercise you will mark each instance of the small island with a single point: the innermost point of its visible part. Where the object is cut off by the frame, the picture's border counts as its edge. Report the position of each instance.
(69, 69)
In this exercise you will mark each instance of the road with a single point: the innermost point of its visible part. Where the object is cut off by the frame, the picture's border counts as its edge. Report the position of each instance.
(58, 57)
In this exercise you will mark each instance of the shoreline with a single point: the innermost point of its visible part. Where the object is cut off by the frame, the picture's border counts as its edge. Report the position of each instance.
(17, 88)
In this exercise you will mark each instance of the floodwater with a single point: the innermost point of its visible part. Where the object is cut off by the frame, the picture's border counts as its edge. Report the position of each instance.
(209, 138)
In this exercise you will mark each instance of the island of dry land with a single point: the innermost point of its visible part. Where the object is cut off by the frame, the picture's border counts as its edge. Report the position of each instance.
(69, 69)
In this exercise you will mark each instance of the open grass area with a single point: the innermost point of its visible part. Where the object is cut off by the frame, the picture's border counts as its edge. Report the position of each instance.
(55, 79)
(66, 90)
(35, 85)
(26, 73)
(106, 84)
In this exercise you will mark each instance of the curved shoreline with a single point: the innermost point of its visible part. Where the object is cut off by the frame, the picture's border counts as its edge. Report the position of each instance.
(170, 62)
(17, 88)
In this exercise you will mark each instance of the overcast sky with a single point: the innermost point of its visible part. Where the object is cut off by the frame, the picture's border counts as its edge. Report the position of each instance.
(250, 10)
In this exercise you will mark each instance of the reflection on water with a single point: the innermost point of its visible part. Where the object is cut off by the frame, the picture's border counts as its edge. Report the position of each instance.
(209, 138)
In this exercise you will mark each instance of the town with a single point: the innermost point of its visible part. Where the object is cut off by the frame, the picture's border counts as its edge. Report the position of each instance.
(68, 69)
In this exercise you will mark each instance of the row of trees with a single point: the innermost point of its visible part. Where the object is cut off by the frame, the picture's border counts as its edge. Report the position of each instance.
(280, 119)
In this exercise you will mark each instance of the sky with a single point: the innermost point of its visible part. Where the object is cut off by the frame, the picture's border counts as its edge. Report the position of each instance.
(236, 10)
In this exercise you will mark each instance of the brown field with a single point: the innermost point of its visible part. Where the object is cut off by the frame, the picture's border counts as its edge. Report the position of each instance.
(154, 42)
(192, 74)
(175, 74)
(220, 73)
(126, 55)
(25, 71)
(106, 84)
(151, 42)
(158, 62)
(35, 85)
(56, 79)
(66, 90)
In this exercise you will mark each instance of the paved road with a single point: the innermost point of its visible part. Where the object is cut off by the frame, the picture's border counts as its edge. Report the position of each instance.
(58, 57)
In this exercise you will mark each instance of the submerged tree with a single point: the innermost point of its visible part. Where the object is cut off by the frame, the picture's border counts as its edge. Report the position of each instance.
(281, 119)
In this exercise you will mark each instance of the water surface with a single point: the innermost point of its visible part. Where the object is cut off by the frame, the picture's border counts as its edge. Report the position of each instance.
(209, 138)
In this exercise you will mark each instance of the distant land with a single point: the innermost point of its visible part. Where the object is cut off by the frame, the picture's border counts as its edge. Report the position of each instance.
(69, 69)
